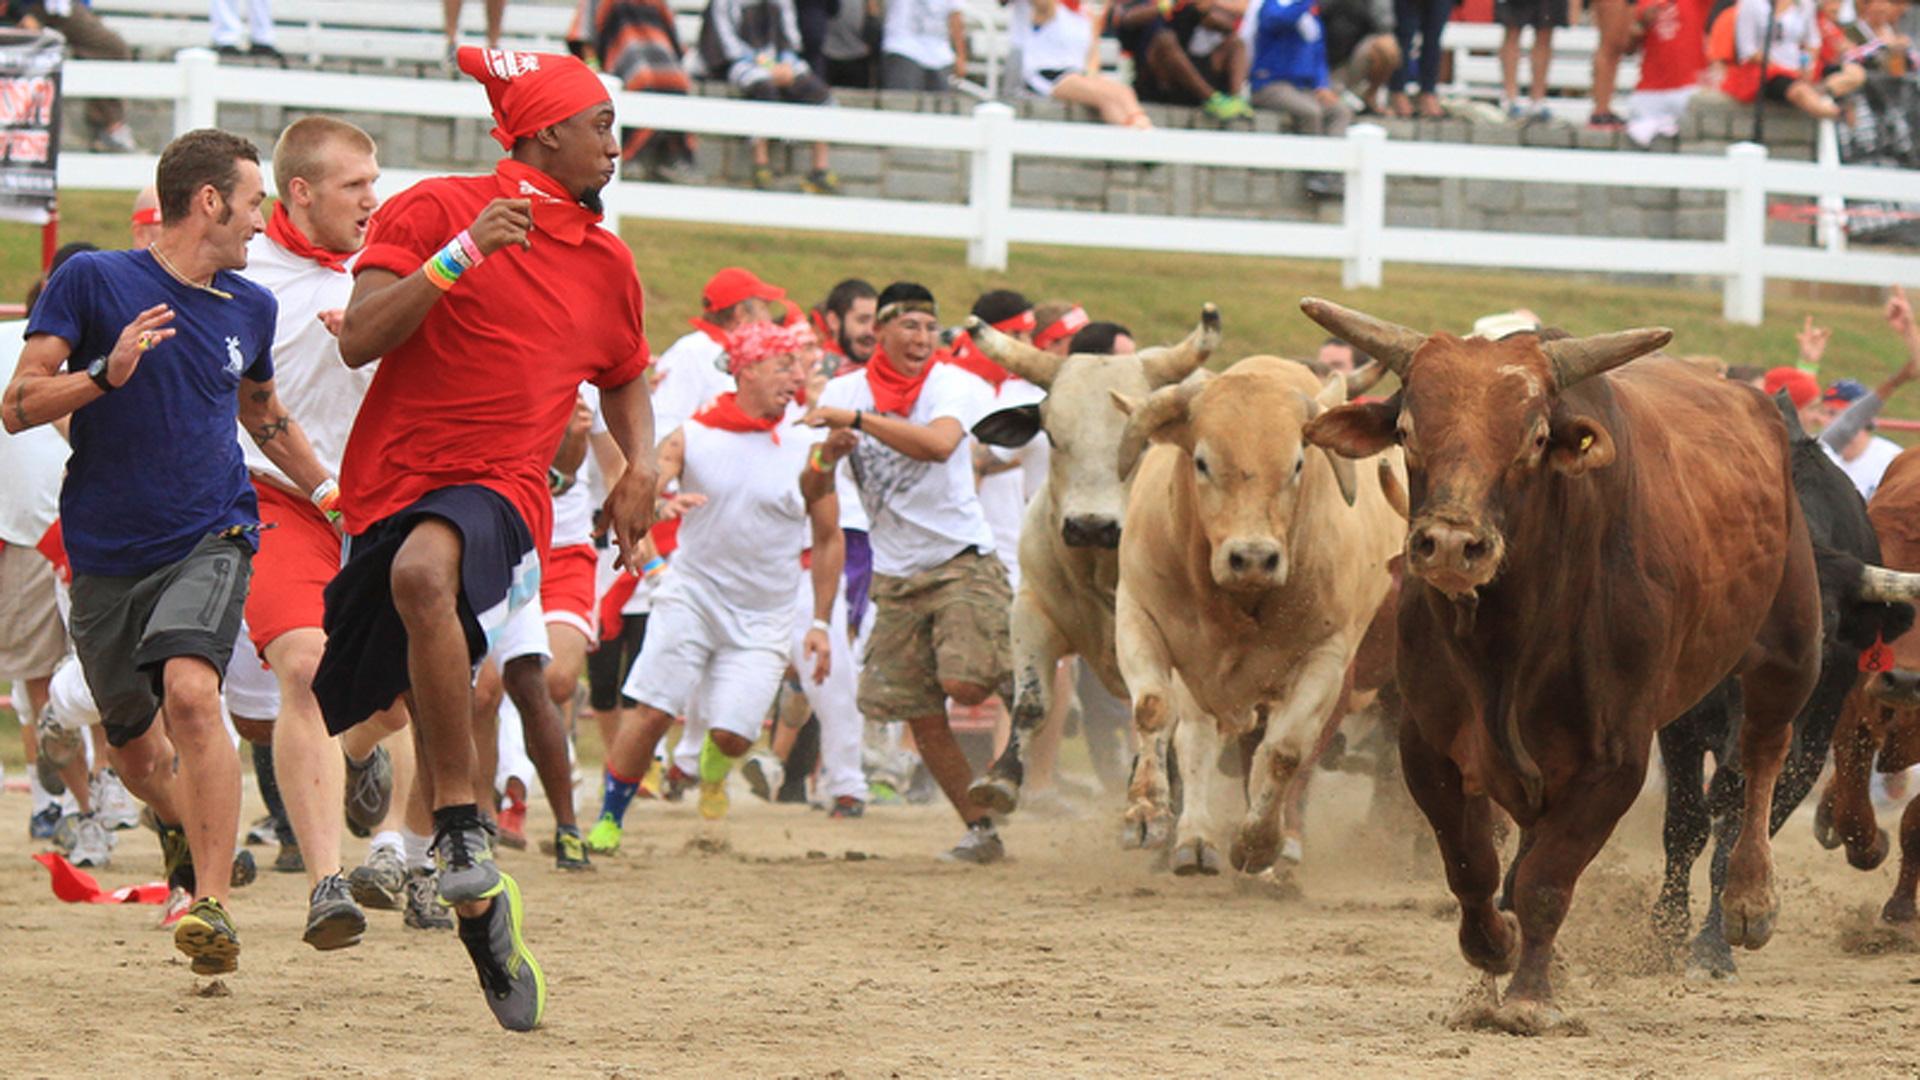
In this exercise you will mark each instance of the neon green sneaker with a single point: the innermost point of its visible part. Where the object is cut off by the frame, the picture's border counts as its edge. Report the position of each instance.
(516, 988)
(604, 837)
(713, 799)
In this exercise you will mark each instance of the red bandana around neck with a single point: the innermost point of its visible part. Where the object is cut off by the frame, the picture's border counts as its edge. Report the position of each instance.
(281, 230)
(892, 391)
(555, 212)
(725, 414)
(967, 356)
(720, 337)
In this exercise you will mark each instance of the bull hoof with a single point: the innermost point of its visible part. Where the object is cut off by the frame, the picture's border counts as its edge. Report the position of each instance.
(1900, 912)
(1750, 919)
(1525, 1016)
(1291, 851)
(1254, 848)
(1871, 857)
(1823, 828)
(1710, 957)
(1495, 948)
(1146, 828)
(995, 793)
(1195, 856)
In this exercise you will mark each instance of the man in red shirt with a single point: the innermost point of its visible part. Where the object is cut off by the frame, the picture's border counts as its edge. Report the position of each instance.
(488, 301)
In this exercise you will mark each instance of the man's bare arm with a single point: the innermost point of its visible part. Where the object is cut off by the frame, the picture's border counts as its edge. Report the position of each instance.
(278, 436)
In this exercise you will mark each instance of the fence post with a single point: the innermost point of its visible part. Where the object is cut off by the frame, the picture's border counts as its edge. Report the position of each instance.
(196, 107)
(1743, 299)
(1832, 230)
(1365, 207)
(991, 191)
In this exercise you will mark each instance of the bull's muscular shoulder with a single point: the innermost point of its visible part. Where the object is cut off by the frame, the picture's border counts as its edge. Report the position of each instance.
(1660, 397)
(1895, 512)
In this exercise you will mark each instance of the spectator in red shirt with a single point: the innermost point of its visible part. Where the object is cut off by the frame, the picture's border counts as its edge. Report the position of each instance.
(1672, 36)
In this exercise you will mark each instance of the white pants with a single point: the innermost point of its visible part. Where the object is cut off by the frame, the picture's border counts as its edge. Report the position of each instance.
(842, 732)
(697, 663)
(514, 762)
(225, 17)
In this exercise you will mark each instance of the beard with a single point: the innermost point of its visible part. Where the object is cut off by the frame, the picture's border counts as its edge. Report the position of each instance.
(590, 199)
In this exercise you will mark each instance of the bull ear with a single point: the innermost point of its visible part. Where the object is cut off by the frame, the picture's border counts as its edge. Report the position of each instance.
(1009, 427)
(1579, 445)
(1356, 430)
(1162, 418)
(1168, 364)
(1034, 365)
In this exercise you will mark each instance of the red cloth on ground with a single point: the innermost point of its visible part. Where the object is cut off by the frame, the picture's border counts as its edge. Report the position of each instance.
(76, 886)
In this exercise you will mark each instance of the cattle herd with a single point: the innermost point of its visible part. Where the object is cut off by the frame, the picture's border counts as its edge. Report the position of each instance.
(1537, 556)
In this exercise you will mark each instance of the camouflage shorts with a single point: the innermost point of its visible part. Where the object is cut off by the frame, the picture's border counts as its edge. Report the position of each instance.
(945, 624)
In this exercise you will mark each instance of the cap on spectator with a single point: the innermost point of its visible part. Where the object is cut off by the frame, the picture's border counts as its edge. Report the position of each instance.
(732, 285)
(1801, 386)
(529, 90)
(1845, 392)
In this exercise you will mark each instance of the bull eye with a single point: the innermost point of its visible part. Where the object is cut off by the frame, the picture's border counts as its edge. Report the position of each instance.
(1200, 466)
(1298, 464)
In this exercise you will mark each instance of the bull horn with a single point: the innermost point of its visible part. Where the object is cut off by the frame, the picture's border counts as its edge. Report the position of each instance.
(1162, 409)
(1574, 359)
(1888, 586)
(1391, 487)
(1365, 378)
(1037, 366)
(1168, 364)
(1390, 344)
(1335, 393)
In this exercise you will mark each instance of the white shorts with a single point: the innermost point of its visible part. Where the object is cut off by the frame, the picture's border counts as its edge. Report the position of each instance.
(523, 634)
(690, 662)
(252, 691)
(69, 697)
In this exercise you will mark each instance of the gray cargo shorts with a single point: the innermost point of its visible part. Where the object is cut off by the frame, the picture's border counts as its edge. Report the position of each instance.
(125, 629)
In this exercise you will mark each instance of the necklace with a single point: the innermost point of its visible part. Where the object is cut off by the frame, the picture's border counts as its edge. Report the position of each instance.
(182, 278)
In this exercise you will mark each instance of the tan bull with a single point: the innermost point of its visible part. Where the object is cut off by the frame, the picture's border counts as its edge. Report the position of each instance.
(1251, 565)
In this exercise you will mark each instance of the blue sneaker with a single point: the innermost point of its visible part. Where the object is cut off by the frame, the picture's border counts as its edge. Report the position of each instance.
(42, 824)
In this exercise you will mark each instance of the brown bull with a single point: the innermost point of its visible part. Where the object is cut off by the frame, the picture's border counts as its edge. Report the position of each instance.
(1880, 723)
(1589, 551)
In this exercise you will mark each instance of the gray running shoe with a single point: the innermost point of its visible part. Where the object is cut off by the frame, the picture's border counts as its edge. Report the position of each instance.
(980, 846)
(381, 881)
(423, 903)
(334, 921)
(92, 843)
(516, 990)
(369, 791)
(464, 858)
(764, 775)
(264, 831)
(112, 802)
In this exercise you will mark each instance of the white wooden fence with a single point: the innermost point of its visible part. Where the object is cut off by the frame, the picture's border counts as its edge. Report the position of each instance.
(993, 139)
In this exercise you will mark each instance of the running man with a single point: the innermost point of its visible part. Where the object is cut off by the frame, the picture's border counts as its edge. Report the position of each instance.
(156, 512)
(721, 631)
(488, 301)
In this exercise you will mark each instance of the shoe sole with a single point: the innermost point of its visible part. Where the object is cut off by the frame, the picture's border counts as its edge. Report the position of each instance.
(369, 893)
(245, 870)
(211, 952)
(757, 782)
(339, 928)
(995, 794)
(516, 910)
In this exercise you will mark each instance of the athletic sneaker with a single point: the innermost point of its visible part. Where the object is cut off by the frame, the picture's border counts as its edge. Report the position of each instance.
(821, 182)
(289, 860)
(981, 845)
(381, 881)
(244, 869)
(464, 858)
(569, 850)
(113, 804)
(264, 831)
(1226, 107)
(677, 782)
(174, 853)
(178, 901)
(604, 837)
(846, 806)
(423, 903)
(513, 825)
(65, 833)
(205, 933)
(515, 988)
(334, 921)
(764, 774)
(92, 843)
(44, 822)
(713, 800)
(369, 791)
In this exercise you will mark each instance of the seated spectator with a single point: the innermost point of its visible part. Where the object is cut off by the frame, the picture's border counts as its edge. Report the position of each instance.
(1418, 25)
(852, 42)
(1290, 75)
(1185, 52)
(1883, 48)
(1672, 38)
(635, 42)
(87, 39)
(923, 44)
(1362, 53)
(1842, 76)
(1516, 15)
(1783, 73)
(1060, 59)
(754, 45)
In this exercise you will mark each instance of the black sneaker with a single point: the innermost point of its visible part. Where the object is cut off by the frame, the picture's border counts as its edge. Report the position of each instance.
(244, 869)
(569, 849)
(515, 987)
(289, 861)
(334, 921)
(423, 903)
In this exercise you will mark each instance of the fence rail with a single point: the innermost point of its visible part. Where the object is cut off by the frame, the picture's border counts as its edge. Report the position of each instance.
(993, 139)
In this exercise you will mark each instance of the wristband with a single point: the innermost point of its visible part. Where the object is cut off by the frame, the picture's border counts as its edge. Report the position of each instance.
(823, 626)
(815, 462)
(465, 240)
(558, 482)
(856, 420)
(459, 256)
(654, 567)
(326, 498)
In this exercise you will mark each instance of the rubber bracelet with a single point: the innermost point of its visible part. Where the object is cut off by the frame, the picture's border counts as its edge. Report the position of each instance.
(653, 567)
(326, 493)
(823, 626)
(815, 461)
(438, 275)
(465, 240)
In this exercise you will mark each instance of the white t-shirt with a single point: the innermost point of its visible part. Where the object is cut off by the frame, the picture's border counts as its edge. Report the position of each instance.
(742, 546)
(1866, 470)
(1796, 31)
(317, 387)
(917, 30)
(1059, 45)
(573, 509)
(31, 463)
(691, 376)
(922, 513)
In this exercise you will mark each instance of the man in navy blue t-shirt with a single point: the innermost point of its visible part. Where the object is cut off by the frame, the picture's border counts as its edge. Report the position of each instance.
(162, 349)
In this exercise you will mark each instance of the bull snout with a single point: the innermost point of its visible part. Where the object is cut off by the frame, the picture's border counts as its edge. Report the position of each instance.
(1899, 688)
(1452, 557)
(1247, 564)
(1091, 530)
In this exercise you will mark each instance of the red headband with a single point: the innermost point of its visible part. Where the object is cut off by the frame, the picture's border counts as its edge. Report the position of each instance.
(1017, 324)
(530, 91)
(758, 341)
(149, 216)
(1074, 318)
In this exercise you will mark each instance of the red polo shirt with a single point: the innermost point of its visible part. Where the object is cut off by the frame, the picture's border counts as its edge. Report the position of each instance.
(481, 393)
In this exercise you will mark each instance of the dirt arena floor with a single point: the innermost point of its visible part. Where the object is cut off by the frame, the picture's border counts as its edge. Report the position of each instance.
(784, 944)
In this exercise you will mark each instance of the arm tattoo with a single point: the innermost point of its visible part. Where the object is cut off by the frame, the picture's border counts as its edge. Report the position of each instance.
(20, 405)
(272, 430)
(262, 396)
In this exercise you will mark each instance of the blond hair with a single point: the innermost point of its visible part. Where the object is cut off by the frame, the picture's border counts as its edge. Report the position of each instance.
(306, 149)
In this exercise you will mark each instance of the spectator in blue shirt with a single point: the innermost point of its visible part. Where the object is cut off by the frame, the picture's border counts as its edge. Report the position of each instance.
(1290, 75)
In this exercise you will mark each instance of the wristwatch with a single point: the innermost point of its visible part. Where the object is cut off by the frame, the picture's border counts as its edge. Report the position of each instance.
(97, 371)
(856, 420)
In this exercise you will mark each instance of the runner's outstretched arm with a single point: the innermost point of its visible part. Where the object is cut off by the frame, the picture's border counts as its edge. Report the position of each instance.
(279, 436)
(41, 393)
(386, 309)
